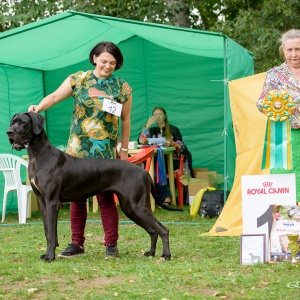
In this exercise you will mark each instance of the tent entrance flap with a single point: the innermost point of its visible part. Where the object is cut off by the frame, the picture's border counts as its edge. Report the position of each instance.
(249, 149)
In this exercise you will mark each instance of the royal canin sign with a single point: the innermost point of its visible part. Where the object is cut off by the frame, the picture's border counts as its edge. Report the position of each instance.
(268, 188)
(276, 188)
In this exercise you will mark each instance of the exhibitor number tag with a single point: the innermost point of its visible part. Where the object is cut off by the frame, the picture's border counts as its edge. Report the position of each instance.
(112, 107)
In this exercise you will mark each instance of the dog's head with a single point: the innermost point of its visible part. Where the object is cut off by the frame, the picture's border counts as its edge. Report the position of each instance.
(23, 127)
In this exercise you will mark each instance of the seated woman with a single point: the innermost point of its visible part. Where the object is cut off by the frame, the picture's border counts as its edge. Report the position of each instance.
(158, 126)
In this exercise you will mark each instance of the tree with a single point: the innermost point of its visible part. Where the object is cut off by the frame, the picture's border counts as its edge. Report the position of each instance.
(12, 12)
(183, 13)
(258, 30)
(255, 24)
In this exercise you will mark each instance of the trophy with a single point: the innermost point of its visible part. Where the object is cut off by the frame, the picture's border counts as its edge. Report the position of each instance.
(293, 246)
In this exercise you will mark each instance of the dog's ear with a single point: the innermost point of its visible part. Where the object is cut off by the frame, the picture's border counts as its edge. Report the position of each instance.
(37, 122)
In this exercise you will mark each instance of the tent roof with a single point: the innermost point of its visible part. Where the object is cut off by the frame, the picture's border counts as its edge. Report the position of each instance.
(64, 39)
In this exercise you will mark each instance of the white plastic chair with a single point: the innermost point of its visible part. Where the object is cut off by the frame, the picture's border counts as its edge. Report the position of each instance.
(10, 165)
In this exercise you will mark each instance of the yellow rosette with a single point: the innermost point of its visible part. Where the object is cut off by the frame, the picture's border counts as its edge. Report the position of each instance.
(278, 106)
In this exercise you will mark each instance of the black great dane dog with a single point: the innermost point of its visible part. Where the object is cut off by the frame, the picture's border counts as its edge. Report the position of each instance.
(59, 177)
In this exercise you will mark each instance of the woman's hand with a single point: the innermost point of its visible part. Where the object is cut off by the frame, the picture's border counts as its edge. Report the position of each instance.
(168, 144)
(123, 155)
(150, 121)
(33, 108)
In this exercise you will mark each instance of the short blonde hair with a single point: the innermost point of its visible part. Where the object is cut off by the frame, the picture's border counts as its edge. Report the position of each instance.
(288, 35)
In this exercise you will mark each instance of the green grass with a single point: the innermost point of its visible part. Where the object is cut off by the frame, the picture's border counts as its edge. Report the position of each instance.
(201, 267)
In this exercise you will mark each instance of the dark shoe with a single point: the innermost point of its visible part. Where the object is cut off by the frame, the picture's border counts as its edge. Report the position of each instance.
(112, 251)
(71, 251)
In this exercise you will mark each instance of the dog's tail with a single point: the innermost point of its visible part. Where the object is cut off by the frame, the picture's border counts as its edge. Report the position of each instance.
(157, 199)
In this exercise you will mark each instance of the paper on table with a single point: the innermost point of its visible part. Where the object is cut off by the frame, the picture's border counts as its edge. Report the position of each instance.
(156, 141)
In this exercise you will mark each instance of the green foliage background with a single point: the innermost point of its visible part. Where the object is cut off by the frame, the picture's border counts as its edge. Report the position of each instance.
(255, 24)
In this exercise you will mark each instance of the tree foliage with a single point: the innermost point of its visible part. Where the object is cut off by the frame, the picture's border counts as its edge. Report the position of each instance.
(259, 30)
(15, 13)
(255, 24)
(185, 13)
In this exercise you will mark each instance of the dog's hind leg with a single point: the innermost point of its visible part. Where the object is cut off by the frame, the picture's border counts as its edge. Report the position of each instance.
(144, 223)
(154, 237)
(154, 228)
(164, 235)
(163, 232)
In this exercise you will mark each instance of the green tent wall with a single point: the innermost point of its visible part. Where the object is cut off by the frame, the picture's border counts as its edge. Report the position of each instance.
(186, 71)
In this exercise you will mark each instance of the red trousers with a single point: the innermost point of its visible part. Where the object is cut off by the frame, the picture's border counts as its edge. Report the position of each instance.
(109, 216)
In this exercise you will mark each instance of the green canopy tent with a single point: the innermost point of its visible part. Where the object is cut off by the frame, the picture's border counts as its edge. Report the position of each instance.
(186, 71)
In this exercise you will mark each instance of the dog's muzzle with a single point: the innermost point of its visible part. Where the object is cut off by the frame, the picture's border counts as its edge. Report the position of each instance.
(15, 144)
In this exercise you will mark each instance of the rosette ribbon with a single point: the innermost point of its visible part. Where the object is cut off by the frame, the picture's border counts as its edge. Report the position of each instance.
(278, 106)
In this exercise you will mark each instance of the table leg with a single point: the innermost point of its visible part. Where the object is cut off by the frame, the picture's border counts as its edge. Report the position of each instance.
(33, 202)
(95, 204)
(171, 177)
(151, 172)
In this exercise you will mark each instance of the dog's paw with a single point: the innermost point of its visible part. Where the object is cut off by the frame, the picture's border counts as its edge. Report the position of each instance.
(149, 253)
(166, 256)
(46, 258)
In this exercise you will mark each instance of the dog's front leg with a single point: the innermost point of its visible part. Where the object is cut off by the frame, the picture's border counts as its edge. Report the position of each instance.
(42, 205)
(50, 226)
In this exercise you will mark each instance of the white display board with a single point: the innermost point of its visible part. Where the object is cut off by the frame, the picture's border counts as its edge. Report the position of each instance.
(259, 195)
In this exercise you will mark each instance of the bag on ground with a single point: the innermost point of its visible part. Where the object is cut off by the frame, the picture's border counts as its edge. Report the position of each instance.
(212, 203)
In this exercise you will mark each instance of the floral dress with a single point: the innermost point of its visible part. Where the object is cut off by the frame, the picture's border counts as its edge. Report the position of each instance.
(281, 78)
(94, 132)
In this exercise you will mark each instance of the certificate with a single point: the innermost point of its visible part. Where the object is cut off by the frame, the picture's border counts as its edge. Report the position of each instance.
(252, 249)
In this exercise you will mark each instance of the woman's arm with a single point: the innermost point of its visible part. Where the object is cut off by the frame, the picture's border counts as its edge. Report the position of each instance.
(145, 133)
(62, 93)
(177, 141)
(125, 117)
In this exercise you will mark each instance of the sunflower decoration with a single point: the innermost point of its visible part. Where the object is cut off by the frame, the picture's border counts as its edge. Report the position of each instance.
(278, 105)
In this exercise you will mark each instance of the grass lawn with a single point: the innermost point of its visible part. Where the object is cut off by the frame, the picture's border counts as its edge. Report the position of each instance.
(201, 267)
